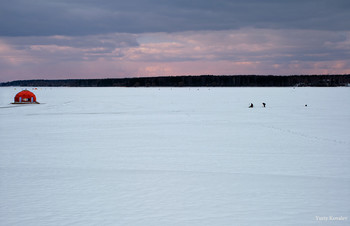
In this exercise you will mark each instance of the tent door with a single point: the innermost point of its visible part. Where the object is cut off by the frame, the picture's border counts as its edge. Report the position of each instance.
(31, 99)
(20, 99)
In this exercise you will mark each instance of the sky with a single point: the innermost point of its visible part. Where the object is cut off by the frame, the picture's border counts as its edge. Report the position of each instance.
(61, 39)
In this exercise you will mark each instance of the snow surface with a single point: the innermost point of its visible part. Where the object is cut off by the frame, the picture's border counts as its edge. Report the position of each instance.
(175, 156)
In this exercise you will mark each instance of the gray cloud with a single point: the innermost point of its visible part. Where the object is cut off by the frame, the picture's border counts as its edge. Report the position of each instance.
(72, 48)
(91, 17)
(111, 38)
(107, 41)
(243, 45)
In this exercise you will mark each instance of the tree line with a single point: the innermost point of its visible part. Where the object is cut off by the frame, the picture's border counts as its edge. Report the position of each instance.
(196, 81)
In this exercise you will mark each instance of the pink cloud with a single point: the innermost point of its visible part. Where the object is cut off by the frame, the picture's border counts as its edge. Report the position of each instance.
(245, 51)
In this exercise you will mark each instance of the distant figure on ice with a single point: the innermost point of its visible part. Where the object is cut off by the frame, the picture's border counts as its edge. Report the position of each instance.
(264, 105)
(305, 105)
(251, 105)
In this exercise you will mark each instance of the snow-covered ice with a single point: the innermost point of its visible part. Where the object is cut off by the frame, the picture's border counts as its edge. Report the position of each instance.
(175, 156)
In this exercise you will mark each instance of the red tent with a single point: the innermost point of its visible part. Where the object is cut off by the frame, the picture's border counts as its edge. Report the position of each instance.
(25, 97)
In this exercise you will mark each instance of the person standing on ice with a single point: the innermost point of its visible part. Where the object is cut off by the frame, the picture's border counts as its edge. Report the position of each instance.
(251, 105)
(264, 104)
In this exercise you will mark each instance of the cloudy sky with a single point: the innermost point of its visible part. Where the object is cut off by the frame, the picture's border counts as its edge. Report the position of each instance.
(116, 38)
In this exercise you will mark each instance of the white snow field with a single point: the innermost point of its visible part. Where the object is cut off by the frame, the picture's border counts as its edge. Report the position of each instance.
(175, 156)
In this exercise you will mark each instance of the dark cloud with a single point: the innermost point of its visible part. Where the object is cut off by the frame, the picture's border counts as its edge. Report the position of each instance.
(91, 17)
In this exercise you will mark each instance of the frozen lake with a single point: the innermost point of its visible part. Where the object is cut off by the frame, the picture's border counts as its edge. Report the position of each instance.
(175, 156)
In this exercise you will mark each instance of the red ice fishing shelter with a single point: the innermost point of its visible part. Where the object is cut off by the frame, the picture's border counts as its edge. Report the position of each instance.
(25, 97)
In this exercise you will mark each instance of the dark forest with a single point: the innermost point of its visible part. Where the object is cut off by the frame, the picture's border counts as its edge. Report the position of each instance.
(196, 81)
